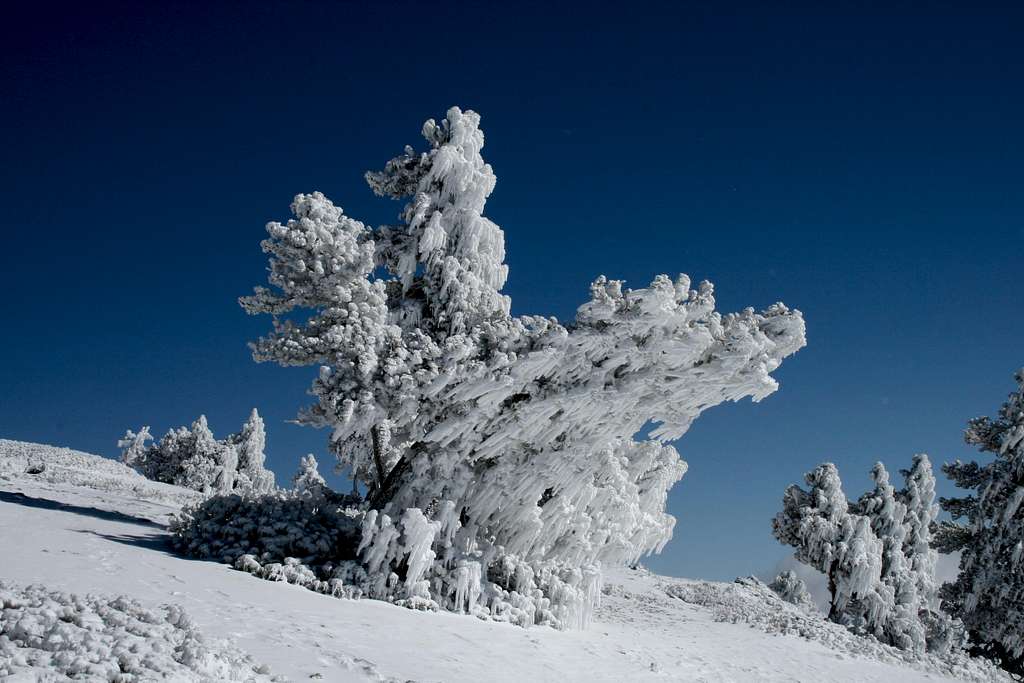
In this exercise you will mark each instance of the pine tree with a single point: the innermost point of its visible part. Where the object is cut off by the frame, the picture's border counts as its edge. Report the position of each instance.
(506, 441)
(827, 536)
(898, 621)
(988, 529)
(200, 457)
(307, 480)
(791, 588)
(922, 511)
(250, 443)
(134, 447)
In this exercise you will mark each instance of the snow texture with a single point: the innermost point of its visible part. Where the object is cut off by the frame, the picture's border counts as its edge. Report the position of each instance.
(48, 634)
(512, 436)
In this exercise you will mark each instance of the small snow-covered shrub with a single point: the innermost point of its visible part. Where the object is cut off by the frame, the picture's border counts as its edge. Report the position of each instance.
(326, 542)
(48, 634)
(194, 459)
(271, 527)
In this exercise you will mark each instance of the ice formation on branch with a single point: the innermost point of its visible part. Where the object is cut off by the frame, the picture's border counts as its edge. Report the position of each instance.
(511, 436)
(988, 530)
(875, 553)
(193, 458)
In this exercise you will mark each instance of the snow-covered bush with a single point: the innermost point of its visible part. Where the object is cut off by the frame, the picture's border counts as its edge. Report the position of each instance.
(497, 451)
(791, 588)
(875, 553)
(271, 527)
(193, 458)
(46, 635)
(988, 530)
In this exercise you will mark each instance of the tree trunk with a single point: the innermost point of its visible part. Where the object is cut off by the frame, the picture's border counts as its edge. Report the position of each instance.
(378, 459)
(833, 612)
(380, 496)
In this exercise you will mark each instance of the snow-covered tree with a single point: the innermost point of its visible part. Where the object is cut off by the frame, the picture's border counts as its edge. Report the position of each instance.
(307, 480)
(898, 621)
(193, 458)
(988, 530)
(918, 495)
(791, 588)
(818, 524)
(497, 451)
(202, 458)
(134, 447)
(871, 552)
(250, 443)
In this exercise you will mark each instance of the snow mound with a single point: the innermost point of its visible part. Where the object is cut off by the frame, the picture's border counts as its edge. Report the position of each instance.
(62, 467)
(45, 634)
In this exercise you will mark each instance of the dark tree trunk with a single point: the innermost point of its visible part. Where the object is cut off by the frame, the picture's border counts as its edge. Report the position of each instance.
(833, 612)
(380, 496)
(378, 459)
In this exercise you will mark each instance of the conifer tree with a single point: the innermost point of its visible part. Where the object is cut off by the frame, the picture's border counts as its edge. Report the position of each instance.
(791, 588)
(819, 525)
(307, 480)
(898, 621)
(250, 443)
(988, 530)
(506, 442)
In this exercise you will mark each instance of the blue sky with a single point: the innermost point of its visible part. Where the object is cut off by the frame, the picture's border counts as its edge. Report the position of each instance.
(863, 165)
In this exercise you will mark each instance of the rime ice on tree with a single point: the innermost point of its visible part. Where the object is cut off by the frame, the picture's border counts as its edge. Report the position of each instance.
(193, 458)
(875, 553)
(497, 451)
(988, 594)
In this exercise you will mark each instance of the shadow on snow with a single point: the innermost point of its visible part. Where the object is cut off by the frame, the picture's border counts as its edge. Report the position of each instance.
(47, 504)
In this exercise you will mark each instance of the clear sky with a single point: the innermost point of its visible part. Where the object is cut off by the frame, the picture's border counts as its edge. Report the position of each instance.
(862, 165)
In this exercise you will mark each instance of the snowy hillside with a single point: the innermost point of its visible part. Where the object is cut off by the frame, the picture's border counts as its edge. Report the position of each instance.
(80, 524)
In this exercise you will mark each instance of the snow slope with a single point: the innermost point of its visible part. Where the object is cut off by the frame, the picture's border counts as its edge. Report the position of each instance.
(71, 531)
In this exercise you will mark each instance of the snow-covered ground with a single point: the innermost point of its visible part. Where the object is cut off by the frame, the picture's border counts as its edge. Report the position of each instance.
(89, 525)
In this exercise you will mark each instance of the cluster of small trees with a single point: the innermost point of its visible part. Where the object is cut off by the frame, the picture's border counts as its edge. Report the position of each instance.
(191, 457)
(879, 552)
(875, 552)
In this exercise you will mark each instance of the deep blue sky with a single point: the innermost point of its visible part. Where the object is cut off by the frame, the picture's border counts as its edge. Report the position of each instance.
(863, 165)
